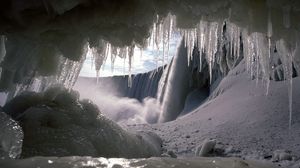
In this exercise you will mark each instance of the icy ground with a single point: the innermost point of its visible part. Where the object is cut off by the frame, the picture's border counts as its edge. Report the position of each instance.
(241, 117)
(78, 162)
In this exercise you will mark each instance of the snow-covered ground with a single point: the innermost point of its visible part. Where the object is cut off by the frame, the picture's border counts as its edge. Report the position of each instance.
(241, 117)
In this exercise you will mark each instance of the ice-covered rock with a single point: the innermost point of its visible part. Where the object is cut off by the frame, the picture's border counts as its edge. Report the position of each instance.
(21, 103)
(281, 155)
(172, 154)
(206, 148)
(11, 137)
(66, 126)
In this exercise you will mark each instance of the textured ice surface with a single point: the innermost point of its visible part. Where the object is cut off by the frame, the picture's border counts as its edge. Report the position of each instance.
(70, 162)
(58, 124)
(11, 137)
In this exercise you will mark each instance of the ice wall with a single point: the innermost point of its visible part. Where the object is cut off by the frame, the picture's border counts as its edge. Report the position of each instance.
(176, 87)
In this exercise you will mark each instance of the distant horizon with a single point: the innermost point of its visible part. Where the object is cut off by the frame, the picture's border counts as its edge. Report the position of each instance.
(142, 63)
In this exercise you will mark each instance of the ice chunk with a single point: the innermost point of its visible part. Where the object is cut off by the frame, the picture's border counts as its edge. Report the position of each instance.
(281, 155)
(11, 137)
(67, 127)
(206, 148)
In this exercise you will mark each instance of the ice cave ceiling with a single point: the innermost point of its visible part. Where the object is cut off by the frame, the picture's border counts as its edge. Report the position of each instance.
(44, 37)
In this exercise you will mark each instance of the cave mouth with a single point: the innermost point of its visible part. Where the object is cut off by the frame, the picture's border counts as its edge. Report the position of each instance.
(228, 90)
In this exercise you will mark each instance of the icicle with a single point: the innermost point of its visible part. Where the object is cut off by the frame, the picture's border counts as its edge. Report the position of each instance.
(164, 45)
(187, 45)
(212, 46)
(166, 29)
(2, 50)
(100, 54)
(229, 14)
(252, 56)
(256, 56)
(130, 57)
(124, 53)
(231, 40)
(290, 102)
(262, 59)
(270, 27)
(201, 40)
(114, 53)
(290, 57)
(286, 16)
(153, 36)
(238, 42)
(107, 53)
(157, 34)
(2, 47)
(199, 44)
(141, 52)
(270, 33)
(169, 36)
(286, 56)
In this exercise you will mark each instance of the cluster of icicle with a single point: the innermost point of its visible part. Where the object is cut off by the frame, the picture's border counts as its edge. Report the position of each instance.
(104, 49)
(209, 37)
(161, 34)
(257, 50)
(67, 74)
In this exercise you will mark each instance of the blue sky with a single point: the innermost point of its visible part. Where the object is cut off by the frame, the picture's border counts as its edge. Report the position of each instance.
(147, 61)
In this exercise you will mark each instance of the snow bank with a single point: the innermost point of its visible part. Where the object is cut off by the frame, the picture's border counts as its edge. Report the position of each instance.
(241, 116)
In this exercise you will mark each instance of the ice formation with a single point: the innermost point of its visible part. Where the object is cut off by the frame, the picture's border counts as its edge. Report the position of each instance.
(11, 137)
(60, 35)
(206, 148)
(75, 161)
(209, 38)
(57, 123)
